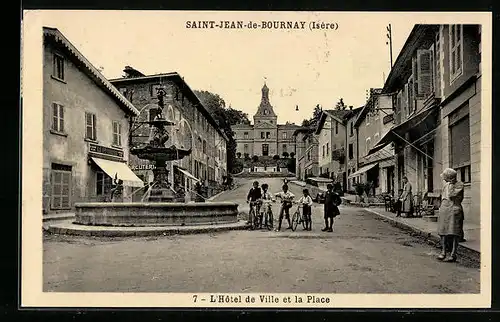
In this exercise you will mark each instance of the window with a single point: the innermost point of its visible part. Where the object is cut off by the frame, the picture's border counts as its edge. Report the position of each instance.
(266, 112)
(117, 133)
(352, 128)
(323, 149)
(58, 68)
(351, 151)
(103, 184)
(262, 135)
(368, 142)
(460, 142)
(245, 135)
(284, 135)
(123, 90)
(61, 186)
(456, 51)
(268, 135)
(411, 96)
(265, 149)
(90, 123)
(422, 73)
(336, 127)
(284, 148)
(245, 149)
(58, 117)
(204, 147)
(327, 145)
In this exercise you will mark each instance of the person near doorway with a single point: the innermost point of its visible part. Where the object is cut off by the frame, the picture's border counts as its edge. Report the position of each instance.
(406, 199)
(451, 215)
(332, 201)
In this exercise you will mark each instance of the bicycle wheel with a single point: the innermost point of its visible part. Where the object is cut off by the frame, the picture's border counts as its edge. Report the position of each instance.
(251, 219)
(295, 220)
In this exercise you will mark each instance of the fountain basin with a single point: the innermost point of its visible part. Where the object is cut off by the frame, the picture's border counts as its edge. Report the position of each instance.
(137, 214)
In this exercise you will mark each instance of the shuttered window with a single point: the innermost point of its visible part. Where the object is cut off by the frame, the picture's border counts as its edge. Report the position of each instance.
(424, 73)
(460, 142)
(61, 187)
(90, 125)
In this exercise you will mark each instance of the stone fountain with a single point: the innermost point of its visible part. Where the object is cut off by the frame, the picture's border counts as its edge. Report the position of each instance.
(160, 208)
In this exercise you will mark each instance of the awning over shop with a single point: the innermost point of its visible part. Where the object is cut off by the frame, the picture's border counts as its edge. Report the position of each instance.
(425, 121)
(121, 170)
(363, 170)
(187, 174)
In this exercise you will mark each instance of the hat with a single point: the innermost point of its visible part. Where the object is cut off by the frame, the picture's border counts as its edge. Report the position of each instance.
(449, 175)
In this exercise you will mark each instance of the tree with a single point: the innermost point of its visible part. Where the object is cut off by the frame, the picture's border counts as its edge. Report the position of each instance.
(313, 121)
(247, 156)
(225, 117)
(276, 157)
(292, 155)
(238, 155)
(285, 154)
(255, 158)
(340, 105)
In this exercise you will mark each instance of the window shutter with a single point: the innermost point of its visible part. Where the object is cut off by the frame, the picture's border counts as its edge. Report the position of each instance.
(424, 73)
(405, 101)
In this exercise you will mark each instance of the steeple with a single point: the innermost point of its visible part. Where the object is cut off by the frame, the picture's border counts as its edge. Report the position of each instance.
(265, 107)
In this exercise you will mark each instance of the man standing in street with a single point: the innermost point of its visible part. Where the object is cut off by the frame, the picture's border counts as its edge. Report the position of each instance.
(332, 201)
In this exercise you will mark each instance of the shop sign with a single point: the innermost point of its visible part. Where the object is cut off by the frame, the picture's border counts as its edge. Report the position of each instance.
(105, 150)
(142, 167)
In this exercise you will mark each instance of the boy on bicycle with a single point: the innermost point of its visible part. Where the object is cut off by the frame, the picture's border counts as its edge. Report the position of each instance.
(254, 197)
(267, 198)
(286, 203)
(306, 202)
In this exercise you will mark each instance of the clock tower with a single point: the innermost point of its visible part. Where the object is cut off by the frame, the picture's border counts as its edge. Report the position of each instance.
(265, 127)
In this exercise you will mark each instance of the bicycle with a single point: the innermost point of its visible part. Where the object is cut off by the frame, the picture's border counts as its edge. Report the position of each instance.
(298, 218)
(268, 217)
(253, 214)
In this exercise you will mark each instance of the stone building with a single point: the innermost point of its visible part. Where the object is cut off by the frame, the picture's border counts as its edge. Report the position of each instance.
(265, 137)
(374, 121)
(85, 129)
(436, 83)
(194, 129)
(332, 133)
(307, 153)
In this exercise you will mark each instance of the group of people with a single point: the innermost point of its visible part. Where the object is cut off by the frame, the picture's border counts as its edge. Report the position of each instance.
(262, 199)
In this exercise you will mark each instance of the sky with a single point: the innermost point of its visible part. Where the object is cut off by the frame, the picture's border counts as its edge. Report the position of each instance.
(300, 66)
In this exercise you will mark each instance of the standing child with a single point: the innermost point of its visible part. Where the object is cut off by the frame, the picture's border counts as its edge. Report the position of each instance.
(332, 201)
(254, 197)
(267, 199)
(286, 203)
(306, 202)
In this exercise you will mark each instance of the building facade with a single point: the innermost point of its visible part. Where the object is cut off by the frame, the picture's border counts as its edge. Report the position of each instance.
(194, 128)
(372, 123)
(437, 84)
(333, 134)
(85, 129)
(265, 137)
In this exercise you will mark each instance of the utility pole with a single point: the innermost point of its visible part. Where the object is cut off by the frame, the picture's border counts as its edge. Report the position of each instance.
(389, 40)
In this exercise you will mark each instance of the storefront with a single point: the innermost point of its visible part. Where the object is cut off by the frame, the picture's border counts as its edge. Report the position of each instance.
(107, 164)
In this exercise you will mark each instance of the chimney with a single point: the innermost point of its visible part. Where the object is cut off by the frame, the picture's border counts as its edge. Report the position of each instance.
(350, 107)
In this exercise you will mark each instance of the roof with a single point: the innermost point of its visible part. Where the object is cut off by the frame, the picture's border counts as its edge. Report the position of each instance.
(340, 116)
(176, 78)
(418, 35)
(303, 130)
(364, 110)
(89, 69)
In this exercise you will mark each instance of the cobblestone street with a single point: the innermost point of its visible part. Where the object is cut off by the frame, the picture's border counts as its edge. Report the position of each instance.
(363, 255)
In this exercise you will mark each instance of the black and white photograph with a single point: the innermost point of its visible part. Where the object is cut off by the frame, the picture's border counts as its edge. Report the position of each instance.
(256, 159)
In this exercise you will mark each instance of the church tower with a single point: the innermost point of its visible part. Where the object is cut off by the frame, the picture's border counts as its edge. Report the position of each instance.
(265, 127)
(265, 112)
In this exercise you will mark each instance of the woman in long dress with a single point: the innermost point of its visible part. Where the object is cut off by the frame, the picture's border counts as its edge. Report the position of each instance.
(406, 199)
(451, 215)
